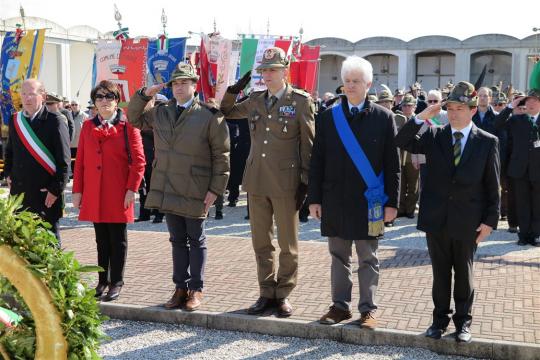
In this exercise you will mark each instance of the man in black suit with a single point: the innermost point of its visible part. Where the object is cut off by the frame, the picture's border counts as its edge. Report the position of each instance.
(460, 200)
(524, 163)
(339, 194)
(38, 155)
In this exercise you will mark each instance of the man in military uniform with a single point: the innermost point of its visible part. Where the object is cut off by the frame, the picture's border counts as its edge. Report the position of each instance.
(281, 121)
(191, 168)
(410, 172)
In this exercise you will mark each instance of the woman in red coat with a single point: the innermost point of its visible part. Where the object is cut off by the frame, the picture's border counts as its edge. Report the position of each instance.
(108, 170)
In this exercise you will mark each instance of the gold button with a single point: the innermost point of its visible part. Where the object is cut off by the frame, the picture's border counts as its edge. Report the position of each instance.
(269, 116)
(263, 155)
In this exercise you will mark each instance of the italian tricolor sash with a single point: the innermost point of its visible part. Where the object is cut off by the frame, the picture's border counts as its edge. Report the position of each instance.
(32, 143)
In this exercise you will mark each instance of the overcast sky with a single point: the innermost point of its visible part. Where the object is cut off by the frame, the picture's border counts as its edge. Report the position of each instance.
(349, 19)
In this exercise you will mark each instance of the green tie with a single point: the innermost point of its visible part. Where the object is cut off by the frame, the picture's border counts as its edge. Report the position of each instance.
(457, 147)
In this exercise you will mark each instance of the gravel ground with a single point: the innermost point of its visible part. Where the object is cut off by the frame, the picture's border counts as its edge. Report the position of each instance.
(142, 340)
(403, 235)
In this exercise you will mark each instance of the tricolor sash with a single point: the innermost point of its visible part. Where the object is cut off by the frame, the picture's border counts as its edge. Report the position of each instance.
(32, 143)
(374, 194)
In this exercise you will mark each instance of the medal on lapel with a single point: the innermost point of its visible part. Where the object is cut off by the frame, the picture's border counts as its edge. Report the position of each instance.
(287, 111)
(284, 130)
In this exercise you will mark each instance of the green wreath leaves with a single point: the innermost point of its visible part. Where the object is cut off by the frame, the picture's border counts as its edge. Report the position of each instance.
(28, 237)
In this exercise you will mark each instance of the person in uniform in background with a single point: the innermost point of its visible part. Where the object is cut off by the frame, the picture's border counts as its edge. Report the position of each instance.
(281, 121)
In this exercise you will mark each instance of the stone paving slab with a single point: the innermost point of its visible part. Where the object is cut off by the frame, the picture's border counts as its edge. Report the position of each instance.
(507, 304)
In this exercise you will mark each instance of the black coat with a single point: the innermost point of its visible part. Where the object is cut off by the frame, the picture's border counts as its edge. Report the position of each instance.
(455, 199)
(28, 176)
(524, 158)
(489, 125)
(334, 181)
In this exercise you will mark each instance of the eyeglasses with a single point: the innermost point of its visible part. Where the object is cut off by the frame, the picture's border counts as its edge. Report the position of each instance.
(108, 96)
(433, 101)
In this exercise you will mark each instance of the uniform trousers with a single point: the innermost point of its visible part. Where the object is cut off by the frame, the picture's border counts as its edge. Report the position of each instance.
(263, 211)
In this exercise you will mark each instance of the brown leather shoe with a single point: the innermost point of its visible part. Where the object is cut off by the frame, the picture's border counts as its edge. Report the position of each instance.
(335, 315)
(284, 308)
(193, 300)
(367, 320)
(177, 300)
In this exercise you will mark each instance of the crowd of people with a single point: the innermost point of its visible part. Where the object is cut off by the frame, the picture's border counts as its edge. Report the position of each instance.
(356, 161)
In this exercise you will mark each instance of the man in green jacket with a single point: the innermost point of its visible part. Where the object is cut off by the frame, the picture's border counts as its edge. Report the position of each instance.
(191, 167)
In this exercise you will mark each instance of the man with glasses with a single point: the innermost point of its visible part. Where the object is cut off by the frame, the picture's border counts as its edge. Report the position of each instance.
(41, 175)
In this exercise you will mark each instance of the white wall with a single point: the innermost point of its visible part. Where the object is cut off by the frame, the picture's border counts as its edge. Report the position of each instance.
(81, 72)
(50, 73)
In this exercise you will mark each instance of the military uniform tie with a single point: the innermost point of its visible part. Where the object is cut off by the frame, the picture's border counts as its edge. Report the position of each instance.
(457, 147)
(272, 100)
(354, 111)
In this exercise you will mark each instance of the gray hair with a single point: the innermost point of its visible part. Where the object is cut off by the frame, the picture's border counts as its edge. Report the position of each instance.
(357, 63)
(488, 90)
(435, 93)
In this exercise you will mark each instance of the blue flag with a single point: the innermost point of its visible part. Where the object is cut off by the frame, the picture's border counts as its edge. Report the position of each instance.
(8, 52)
(163, 59)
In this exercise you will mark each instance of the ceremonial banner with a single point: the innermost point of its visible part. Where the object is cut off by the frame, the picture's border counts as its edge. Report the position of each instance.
(207, 79)
(224, 60)
(124, 63)
(304, 67)
(164, 54)
(20, 59)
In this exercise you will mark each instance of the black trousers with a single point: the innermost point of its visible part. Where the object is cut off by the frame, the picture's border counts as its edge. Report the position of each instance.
(145, 213)
(449, 253)
(508, 200)
(188, 251)
(111, 239)
(527, 194)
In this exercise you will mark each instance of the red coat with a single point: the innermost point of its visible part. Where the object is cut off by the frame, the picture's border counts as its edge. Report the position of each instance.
(102, 173)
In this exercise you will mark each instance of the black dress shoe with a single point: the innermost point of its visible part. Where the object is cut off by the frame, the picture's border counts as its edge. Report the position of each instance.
(112, 294)
(219, 215)
(232, 203)
(534, 241)
(303, 219)
(157, 219)
(284, 308)
(513, 229)
(410, 216)
(389, 224)
(100, 289)
(463, 334)
(246, 217)
(260, 306)
(144, 218)
(435, 332)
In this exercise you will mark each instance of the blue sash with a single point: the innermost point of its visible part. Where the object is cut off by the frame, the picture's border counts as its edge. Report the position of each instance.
(375, 196)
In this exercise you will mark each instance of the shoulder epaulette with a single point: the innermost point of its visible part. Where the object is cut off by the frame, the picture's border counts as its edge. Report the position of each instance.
(301, 92)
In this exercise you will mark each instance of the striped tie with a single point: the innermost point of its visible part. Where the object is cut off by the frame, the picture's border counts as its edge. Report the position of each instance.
(457, 147)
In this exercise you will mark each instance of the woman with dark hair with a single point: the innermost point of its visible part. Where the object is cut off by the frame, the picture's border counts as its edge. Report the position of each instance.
(108, 170)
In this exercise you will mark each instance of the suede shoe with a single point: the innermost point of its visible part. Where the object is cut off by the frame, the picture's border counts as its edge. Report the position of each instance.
(177, 300)
(193, 300)
(335, 315)
(260, 306)
(367, 320)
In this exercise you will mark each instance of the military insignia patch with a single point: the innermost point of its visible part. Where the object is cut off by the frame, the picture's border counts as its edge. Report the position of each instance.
(269, 54)
(287, 111)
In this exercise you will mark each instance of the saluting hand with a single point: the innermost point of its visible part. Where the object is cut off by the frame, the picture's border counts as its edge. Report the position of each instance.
(240, 84)
(516, 101)
(154, 89)
(483, 232)
(429, 112)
